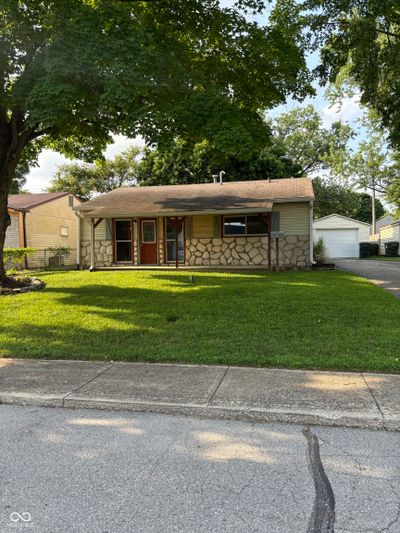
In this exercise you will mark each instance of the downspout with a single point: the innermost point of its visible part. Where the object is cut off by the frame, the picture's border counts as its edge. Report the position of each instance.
(24, 236)
(312, 262)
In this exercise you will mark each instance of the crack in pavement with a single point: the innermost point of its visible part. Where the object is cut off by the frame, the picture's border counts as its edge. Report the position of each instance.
(322, 519)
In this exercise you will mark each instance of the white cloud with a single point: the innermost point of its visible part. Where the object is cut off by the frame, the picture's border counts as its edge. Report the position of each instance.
(348, 111)
(39, 177)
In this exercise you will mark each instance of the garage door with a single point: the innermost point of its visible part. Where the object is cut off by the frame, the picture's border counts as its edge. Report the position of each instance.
(339, 242)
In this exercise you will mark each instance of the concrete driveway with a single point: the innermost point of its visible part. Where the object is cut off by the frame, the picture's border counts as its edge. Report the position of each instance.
(385, 274)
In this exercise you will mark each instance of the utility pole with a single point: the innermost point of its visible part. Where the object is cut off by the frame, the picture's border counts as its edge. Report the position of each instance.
(373, 208)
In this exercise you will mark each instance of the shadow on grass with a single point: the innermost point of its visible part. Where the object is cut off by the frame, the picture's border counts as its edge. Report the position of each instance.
(294, 320)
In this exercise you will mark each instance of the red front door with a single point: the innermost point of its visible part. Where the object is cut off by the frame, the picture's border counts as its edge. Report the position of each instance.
(148, 242)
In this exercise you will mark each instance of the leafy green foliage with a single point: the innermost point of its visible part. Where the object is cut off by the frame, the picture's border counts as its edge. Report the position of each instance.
(60, 250)
(14, 256)
(87, 179)
(364, 209)
(298, 145)
(393, 196)
(184, 162)
(360, 41)
(80, 69)
(332, 197)
(311, 146)
(319, 251)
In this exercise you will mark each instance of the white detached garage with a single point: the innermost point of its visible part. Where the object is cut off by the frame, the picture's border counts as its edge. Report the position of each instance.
(341, 235)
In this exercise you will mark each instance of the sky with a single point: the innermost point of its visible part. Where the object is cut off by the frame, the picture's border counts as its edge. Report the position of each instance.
(40, 176)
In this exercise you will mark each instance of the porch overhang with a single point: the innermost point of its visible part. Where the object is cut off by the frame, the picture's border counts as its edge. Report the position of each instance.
(125, 213)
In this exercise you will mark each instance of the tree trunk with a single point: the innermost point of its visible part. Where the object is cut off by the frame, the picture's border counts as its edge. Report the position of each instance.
(10, 152)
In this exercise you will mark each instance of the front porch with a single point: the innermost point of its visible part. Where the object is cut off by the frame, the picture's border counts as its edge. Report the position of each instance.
(204, 242)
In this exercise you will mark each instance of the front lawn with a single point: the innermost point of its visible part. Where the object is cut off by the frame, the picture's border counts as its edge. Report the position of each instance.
(327, 320)
(384, 258)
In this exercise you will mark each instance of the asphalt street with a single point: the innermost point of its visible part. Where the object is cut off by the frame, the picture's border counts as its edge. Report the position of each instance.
(65, 470)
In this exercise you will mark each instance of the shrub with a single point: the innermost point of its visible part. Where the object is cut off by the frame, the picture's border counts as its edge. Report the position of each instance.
(14, 256)
(60, 250)
(319, 251)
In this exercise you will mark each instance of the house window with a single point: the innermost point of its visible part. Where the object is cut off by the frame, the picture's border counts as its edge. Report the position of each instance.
(123, 240)
(245, 225)
(70, 201)
(171, 241)
(64, 231)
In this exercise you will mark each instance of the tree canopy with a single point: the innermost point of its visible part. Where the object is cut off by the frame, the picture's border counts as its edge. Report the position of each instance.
(332, 197)
(311, 146)
(359, 43)
(74, 72)
(87, 179)
(298, 145)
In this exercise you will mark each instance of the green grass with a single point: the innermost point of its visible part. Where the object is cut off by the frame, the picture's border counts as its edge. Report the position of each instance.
(384, 258)
(327, 320)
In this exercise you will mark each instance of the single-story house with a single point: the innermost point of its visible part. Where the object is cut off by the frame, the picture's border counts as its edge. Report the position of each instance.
(341, 234)
(235, 224)
(389, 233)
(42, 221)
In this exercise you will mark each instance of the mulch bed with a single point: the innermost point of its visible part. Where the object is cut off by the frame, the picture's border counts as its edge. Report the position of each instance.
(323, 266)
(18, 284)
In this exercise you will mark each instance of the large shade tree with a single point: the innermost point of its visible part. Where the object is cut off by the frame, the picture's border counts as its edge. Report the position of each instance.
(299, 145)
(359, 43)
(72, 73)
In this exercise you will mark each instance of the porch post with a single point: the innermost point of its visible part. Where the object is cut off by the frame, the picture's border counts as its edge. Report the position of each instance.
(269, 222)
(92, 245)
(176, 224)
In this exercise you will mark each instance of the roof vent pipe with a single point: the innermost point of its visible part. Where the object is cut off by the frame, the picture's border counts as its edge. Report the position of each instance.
(220, 176)
(215, 177)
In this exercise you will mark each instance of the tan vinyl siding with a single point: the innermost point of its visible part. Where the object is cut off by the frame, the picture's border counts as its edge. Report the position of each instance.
(294, 217)
(160, 228)
(388, 234)
(203, 227)
(100, 231)
(43, 226)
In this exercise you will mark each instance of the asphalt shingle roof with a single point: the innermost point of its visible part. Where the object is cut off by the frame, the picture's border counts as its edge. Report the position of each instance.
(27, 201)
(257, 196)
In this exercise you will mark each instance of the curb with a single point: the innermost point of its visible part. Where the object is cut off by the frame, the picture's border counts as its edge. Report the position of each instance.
(254, 415)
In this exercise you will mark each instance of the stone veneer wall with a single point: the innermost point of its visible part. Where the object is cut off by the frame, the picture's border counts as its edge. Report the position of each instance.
(12, 233)
(294, 251)
(103, 253)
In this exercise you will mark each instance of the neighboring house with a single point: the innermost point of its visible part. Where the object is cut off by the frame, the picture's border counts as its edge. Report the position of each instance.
(341, 234)
(389, 233)
(384, 221)
(43, 221)
(208, 224)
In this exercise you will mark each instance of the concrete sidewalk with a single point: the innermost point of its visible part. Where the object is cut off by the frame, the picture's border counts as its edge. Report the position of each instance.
(250, 394)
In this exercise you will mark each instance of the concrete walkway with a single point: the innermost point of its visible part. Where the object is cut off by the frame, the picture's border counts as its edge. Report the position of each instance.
(385, 274)
(250, 394)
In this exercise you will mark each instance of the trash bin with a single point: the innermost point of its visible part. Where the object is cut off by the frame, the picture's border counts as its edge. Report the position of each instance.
(373, 248)
(364, 250)
(392, 249)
